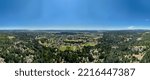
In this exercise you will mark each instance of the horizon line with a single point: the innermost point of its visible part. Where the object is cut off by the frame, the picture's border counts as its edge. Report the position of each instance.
(70, 29)
(76, 28)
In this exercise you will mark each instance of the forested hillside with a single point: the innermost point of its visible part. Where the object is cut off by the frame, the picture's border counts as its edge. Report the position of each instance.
(125, 46)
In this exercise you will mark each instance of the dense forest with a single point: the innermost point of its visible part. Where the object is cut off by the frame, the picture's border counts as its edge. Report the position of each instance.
(125, 46)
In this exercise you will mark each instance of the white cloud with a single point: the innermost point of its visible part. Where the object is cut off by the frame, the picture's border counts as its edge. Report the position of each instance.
(131, 27)
(138, 27)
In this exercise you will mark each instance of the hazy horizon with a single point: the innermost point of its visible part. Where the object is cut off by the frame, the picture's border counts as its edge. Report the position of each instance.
(72, 28)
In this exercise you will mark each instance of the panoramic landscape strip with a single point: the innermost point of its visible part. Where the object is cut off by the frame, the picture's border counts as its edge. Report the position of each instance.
(74, 46)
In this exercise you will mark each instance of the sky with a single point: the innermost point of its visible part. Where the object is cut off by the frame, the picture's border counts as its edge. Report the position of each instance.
(75, 14)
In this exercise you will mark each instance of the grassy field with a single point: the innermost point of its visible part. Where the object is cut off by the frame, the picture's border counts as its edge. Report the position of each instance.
(89, 44)
(72, 48)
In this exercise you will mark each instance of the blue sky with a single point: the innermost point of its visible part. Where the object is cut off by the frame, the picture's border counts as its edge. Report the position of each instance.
(74, 14)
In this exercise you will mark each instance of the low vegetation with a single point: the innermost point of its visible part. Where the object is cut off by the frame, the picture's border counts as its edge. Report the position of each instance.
(128, 46)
